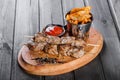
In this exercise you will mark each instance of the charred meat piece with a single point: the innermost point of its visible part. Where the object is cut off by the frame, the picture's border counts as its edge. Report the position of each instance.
(36, 46)
(39, 37)
(63, 50)
(76, 52)
(39, 46)
(53, 40)
(31, 45)
(51, 49)
(67, 40)
(78, 43)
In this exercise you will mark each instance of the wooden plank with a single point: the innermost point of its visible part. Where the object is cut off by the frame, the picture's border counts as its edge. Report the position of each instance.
(92, 71)
(115, 8)
(114, 12)
(92, 68)
(57, 14)
(45, 13)
(66, 76)
(7, 9)
(26, 24)
(111, 52)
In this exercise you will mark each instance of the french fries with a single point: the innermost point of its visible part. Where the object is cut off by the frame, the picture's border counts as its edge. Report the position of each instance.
(79, 15)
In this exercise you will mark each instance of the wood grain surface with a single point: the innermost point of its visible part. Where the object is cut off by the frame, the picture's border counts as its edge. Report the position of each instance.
(103, 21)
(115, 8)
(7, 9)
(26, 17)
(26, 23)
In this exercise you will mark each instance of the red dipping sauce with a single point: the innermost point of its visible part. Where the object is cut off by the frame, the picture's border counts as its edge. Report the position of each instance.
(54, 30)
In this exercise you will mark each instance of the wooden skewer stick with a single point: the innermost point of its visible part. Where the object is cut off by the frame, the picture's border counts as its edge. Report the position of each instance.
(28, 36)
(87, 44)
(92, 45)
(21, 44)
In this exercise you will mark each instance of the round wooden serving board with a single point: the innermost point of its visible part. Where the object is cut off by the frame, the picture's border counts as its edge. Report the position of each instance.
(30, 66)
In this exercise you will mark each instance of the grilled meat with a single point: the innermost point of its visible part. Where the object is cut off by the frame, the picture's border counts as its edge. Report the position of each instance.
(77, 53)
(67, 40)
(31, 45)
(78, 43)
(36, 46)
(51, 49)
(39, 37)
(57, 40)
(53, 40)
(39, 46)
(63, 50)
(67, 46)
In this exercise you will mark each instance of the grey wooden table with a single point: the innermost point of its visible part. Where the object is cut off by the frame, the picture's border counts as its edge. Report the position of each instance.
(26, 17)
